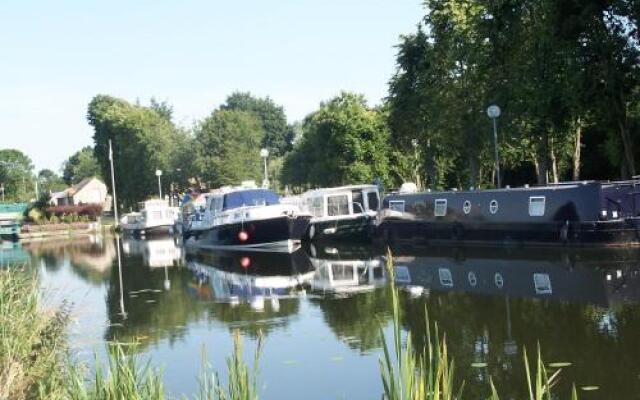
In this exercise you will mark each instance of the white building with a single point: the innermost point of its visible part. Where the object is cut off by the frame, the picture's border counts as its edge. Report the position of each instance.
(88, 191)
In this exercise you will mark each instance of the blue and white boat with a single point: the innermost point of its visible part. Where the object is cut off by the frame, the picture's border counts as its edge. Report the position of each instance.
(247, 218)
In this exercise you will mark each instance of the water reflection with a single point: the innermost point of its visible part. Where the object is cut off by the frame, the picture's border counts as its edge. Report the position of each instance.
(580, 305)
(12, 254)
(250, 291)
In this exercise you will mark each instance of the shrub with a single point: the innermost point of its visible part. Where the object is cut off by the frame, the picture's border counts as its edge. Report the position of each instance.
(35, 215)
(54, 219)
(90, 210)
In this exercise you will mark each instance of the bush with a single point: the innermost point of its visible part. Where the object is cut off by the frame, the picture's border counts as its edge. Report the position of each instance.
(54, 219)
(90, 210)
(35, 215)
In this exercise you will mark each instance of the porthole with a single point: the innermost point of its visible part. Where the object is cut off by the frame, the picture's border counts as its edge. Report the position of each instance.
(499, 281)
(472, 278)
(466, 207)
(493, 206)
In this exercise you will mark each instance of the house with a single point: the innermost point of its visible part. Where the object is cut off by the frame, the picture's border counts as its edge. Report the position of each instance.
(87, 191)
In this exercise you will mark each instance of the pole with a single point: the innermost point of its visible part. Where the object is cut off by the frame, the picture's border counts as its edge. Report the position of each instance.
(495, 146)
(266, 178)
(113, 185)
(159, 187)
(122, 311)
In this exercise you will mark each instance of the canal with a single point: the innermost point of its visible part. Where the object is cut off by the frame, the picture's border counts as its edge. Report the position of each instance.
(319, 311)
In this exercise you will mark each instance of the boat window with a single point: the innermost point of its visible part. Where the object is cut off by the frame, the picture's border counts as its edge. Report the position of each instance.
(440, 207)
(402, 274)
(358, 201)
(473, 280)
(498, 280)
(493, 206)
(466, 207)
(372, 201)
(396, 205)
(337, 205)
(446, 279)
(542, 283)
(536, 206)
(217, 205)
(316, 207)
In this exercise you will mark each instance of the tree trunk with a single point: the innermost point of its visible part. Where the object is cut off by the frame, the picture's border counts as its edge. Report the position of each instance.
(576, 151)
(540, 162)
(554, 162)
(628, 150)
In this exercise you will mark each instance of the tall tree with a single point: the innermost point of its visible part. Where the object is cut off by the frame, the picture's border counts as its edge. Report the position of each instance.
(82, 164)
(278, 135)
(16, 175)
(143, 141)
(49, 181)
(228, 150)
(343, 142)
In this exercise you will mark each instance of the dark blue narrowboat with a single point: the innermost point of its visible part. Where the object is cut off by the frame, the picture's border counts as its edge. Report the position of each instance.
(566, 214)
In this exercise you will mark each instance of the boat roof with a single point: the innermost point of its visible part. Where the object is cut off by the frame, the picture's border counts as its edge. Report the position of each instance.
(556, 186)
(338, 189)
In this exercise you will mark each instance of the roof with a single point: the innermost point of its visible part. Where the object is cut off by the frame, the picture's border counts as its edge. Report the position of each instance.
(71, 191)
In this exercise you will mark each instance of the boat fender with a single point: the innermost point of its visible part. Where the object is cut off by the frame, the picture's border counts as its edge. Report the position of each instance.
(312, 231)
(564, 232)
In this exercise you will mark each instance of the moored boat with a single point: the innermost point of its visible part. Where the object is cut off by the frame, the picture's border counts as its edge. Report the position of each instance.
(155, 217)
(346, 212)
(248, 218)
(575, 214)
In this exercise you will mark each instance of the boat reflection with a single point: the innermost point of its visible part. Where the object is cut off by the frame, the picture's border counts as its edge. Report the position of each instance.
(602, 277)
(346, 270)
(236, 277)
(156, 252)
(12, 254)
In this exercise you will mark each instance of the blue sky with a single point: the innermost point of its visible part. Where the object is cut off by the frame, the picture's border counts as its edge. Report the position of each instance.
(56, 55)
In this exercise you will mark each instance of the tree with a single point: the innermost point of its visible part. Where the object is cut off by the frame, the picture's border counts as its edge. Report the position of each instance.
(49, 181)
(278, 135)
(344, 142)
(228, 149)
(142, 140)
(16, 175)
(82, 164)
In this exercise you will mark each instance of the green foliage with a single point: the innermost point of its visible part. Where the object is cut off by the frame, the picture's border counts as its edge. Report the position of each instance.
(124, 378)
(562, 72)
(242, 383)
(143, 140)
(344, 142)
(82, 164)
(278, 135)
(228, 148)
(32, 343)
(16, 175)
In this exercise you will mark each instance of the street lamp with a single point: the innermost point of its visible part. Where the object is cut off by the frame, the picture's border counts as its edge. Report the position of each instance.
(159, 174)
(493, 111)
(264, 153)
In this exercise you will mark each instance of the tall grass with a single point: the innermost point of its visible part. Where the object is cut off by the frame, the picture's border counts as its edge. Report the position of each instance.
(242, 382)
(429, 374)
(32, 342)
(124, 378)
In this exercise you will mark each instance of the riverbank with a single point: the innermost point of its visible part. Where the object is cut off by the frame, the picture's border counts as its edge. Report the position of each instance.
(34, 231)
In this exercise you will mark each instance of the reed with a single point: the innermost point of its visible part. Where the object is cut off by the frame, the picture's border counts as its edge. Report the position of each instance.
(125, 378)
(429, 374)
(241, 381)
(410, 376)
(32, 341)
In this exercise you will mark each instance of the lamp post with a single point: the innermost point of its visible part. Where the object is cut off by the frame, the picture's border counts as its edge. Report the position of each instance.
(113, 188)
(159, 174)
(264, 153)
(493, 112)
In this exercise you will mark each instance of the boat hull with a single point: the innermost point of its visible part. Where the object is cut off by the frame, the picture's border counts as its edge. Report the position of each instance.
(158, 230)
(282, 234)
(354, 229)
(596, 233)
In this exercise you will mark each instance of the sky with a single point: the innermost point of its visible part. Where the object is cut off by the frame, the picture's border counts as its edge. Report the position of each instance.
(56, 55)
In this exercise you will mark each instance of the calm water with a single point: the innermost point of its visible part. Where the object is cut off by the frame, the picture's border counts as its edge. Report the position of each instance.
(319, 311)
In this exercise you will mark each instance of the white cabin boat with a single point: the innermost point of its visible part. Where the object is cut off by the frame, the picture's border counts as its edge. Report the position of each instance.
(155, 217)
(346, 212)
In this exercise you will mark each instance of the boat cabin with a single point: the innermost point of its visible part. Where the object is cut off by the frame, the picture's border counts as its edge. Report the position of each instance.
(345, 201)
